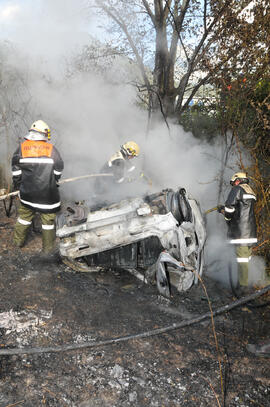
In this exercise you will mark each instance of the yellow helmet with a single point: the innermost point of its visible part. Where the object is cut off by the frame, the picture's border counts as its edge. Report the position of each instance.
(242, 176)
(131, 148)
(41, 127)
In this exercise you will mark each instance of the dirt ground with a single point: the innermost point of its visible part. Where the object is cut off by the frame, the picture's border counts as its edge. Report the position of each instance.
(45, 304)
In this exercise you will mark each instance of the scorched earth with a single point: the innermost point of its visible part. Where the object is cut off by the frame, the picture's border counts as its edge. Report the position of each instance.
(47, 305)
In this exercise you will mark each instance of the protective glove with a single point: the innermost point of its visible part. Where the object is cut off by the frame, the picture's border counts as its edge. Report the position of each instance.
(15, 186)
(221, 209)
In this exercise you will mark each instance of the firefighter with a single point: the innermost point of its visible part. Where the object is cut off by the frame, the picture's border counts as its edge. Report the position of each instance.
(36, 168)
(240, 218)
(122, 168)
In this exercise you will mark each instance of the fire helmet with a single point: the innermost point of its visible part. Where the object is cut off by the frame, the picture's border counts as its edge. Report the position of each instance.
(131, 148)
(41, 127)
(241, 176)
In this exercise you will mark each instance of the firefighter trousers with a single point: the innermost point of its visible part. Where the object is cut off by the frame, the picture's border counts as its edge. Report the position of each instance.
(243, 255)
(24, 221)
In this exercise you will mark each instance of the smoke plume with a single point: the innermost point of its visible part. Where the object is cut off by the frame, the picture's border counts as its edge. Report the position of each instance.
(90, 117)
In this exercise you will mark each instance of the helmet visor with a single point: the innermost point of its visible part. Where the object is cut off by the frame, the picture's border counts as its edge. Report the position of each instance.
(131, 151)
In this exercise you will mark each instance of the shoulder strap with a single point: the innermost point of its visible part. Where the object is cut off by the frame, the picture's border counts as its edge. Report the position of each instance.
(247, 189)
(116, 156)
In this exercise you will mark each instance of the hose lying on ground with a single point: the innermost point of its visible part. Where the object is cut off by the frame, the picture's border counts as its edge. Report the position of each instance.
(158, 331)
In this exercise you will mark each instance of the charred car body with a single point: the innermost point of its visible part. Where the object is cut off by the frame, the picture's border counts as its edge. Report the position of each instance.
(162, 234)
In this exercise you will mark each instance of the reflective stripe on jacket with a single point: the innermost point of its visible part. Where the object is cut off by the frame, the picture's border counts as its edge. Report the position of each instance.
(240, 217)
(36, 168)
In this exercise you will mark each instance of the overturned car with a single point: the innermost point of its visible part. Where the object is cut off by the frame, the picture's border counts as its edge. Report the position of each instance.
(161, 236)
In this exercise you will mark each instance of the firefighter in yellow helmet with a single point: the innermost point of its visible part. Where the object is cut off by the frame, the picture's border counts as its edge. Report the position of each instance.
(123, 169)
(240, 218)
(130, 149)
(36, 168)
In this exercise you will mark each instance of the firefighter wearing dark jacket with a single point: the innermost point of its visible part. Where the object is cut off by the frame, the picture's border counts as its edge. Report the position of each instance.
(240, 218)
(36, 168)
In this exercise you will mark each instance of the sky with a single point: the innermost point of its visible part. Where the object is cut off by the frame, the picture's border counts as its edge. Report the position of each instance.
(89, 118)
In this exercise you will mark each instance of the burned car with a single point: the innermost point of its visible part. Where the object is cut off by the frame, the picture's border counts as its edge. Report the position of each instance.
(161, 235)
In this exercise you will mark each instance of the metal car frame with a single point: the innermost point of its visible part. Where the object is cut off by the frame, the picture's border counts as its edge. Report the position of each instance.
(161, 235)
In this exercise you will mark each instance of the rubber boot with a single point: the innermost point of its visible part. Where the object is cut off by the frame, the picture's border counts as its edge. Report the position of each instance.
(243, 252)
(48, 241)
(20, 233)
(48, 232)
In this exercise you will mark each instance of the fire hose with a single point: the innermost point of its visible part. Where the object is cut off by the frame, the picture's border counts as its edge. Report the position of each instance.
(217, 208)
(63, 181)
(158, 331)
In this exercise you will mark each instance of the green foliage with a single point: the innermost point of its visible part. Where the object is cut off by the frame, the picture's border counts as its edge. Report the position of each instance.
(242, 107)
(201, 120)
(245, 108)
(262, 90)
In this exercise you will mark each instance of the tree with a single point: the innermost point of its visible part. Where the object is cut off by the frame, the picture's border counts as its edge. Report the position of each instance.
(14, 107)
(244, 99)
(184, 33)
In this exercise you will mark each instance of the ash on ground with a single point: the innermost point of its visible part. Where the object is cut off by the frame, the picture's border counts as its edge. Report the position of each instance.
(45, 304)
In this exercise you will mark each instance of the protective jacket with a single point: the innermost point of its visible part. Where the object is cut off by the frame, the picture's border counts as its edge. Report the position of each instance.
(36, 168)
(240, 217)
(120, 168)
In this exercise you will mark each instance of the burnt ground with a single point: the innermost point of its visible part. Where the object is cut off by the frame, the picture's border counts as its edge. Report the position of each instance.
(46, 304)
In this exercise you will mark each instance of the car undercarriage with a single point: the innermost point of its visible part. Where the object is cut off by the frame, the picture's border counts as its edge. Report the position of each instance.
(161, 236)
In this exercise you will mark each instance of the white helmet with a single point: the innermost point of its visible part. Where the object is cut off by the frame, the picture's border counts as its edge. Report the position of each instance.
(40, 126)
(241, 176)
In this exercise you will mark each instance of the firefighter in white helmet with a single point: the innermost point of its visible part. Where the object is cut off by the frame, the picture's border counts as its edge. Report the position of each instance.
(240, 218)
(36, 168)
(123, 170)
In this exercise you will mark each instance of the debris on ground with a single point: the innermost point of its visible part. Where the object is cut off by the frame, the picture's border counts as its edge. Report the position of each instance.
(45, 304)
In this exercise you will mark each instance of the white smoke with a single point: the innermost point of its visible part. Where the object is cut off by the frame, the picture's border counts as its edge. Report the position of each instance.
(90, 118)
(46, 31)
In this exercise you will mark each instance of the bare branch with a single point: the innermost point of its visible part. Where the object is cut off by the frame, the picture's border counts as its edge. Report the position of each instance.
(113, 14)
